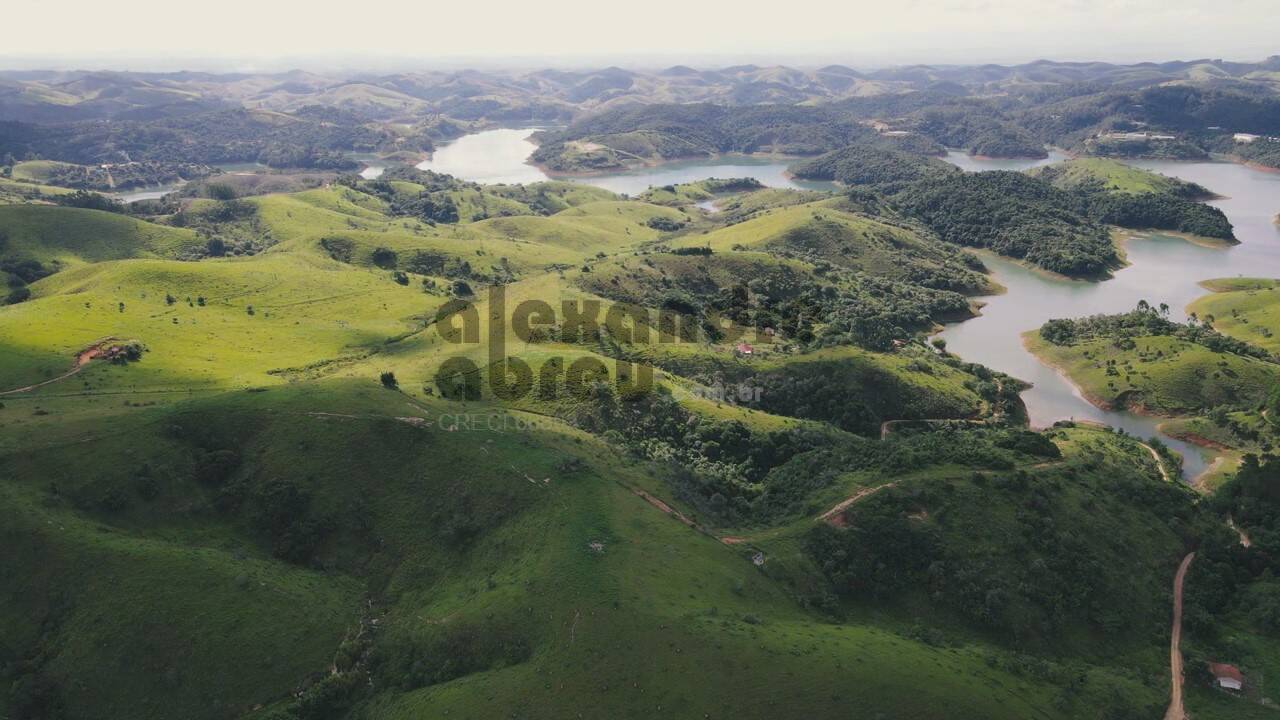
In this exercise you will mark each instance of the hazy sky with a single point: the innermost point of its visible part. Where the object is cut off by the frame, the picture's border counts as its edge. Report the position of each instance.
(273, 33)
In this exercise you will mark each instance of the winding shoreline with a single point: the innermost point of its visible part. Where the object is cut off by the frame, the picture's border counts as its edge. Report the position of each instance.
(1219, 452)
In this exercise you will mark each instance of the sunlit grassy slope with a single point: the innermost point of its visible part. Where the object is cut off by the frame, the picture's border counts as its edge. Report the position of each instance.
(1244, 308)
(245, 522)
(817, 231)
(71, 236)
(1112, 175)
(1161, 375)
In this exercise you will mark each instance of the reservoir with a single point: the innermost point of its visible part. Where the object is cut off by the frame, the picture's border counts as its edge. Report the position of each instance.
(1162, 268)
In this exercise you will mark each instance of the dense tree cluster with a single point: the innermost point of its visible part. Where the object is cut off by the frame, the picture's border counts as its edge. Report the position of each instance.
(855, 394)
(823, 307)
(692, 130)
(718, 466)
(1262, 151)
(872, 312)
(1159, 212)
(1229, 581)
(91, 201)
(122, 176)
(1014, 215)
(869, 164)
(978, 128)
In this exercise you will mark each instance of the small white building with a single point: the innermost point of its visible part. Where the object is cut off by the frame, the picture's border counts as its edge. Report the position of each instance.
(1245, 138)
(1227, 677)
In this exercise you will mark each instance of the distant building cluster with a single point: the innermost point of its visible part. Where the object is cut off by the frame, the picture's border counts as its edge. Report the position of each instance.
(1135, 136)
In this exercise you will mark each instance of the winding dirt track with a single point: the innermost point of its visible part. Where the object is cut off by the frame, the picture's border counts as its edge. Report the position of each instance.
(1176, 711)
(832, 516)
(1244, 537)
(1159, 462)
(83, 358)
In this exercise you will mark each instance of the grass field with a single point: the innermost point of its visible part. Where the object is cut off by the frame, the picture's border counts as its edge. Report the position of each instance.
(13, 191)
(72, 236)
(1113, 175)
(244, 521)
(474, 560)
(38, 171)
(1159, 375)
(1244, 308)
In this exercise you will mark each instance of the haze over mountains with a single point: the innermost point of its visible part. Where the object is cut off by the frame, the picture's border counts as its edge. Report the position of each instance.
(556, 95)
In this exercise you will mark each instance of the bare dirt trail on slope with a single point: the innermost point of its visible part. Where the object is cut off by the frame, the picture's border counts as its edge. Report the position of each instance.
(832, 516)
(1176, 710)
(1159, 462)
(83, 358)
(1244, 537)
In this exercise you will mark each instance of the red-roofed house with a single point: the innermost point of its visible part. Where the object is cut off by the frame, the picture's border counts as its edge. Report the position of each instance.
(745, 349)
(1227, 676)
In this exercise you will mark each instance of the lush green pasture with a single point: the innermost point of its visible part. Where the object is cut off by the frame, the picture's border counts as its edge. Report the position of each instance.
(1244, 308)
(72, 236)
(1161, 375)
(215, 323)
(37, 170)
(1112, 175)
(13, 191)
(247, 522)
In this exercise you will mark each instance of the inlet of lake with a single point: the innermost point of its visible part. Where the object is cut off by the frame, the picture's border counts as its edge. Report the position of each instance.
(1162, 269)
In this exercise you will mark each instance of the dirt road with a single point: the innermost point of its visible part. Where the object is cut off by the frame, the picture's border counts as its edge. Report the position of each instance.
(832, 516)
(1176, 710)
(1244, 537)
(1159, 462)
(83, 358)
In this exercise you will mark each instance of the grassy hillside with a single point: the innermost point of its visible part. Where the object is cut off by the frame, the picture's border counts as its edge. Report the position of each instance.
(700, 191)
(38, 171)
(204, 325)
(1117, 194)
(1244, 308)
(261, 487)
(816, 232)
(488, 589)
(13, 191)
(351, 226)
(1159, 375)
(1115, 176)
(72, 236)
(1212, 377)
